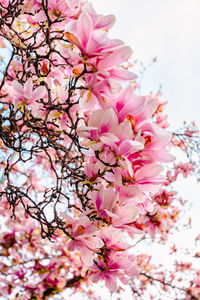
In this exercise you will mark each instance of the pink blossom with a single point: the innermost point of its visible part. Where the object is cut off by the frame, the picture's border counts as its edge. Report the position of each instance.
(83, 238)
(25, 93)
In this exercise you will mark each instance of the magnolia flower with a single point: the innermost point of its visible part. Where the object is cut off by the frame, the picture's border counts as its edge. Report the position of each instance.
(84, 238)
(25, 93)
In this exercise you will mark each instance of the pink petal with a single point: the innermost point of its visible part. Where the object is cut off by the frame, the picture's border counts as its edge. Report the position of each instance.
(124, 130)
(40, 16)
(28, 87)
(128, 147)
(113, 45)
(111, 136)
(149, 107)
(17, 88)
(160, 155)
(95, 118)
(84, 28)
(108, 121)
(126, 215)
(133, 271)
(98, 39)
(132, 229)
(110, 214)
(148, 172)
(108, 87)
(94, 243)
(109, 142)
(116, 177)
(110, 283)
(116, 58)
(88, 101)
(115, 87)
(39, 92)
(105, 22)
(126, 163)
(86, 255)
(109, 198)
(122, 75)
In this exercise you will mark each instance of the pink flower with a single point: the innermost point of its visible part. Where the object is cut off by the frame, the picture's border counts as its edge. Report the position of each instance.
(84, 239)
(68, 8)
(107, 132)
(107, 206)
(97, 91)
(89, 37)
(25, 93)
(117, 266)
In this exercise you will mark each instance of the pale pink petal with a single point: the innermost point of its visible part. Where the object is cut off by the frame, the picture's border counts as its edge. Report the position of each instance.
(67, 218)
(108, 121)
(116, 58)
(94, 243)
(105, 21)
(126, 163)
(160, 155)
(111, 136)
(134, 106)
(124, 280)
(110, 214)
(116, 177)
(124, 130)
(39, 92)
(122, 75)
(115, 87)
(109, 142)
(133, 271)
(17, 88)
(149, 107)
(108, 87)
(110, 283)
(28, 87)
(128, 147)
(113, 45)
(109, 198)
(132, 229)
(148, 172)
(86, 255)
(84, 27)
(126, 215)
(40, 16)
(88, 101)
(96, 276)
(95, 118)
(98, 39)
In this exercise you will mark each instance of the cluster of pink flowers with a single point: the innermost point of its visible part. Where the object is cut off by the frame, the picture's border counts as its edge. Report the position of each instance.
(31, 265)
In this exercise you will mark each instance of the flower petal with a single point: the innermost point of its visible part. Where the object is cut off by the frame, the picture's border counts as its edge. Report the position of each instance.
(122, 75)
(115, 58)
(84, 27)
